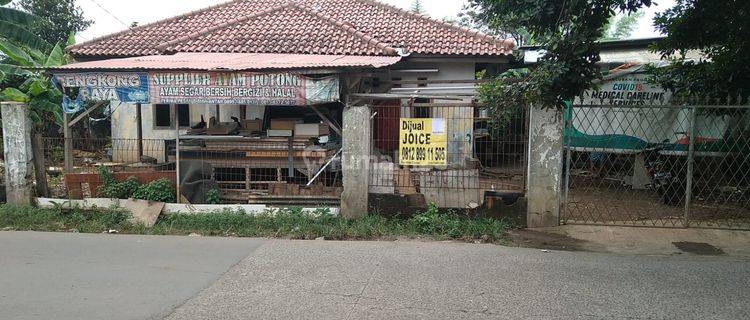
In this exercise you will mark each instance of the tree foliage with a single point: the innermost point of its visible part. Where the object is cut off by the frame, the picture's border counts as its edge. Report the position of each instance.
(417, 7)
(472, 16)
(567, 31)
(720, 31)
(58, 18)
(621, 26)
(15, 25)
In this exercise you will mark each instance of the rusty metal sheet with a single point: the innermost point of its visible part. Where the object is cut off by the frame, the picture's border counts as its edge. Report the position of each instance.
(234, 61)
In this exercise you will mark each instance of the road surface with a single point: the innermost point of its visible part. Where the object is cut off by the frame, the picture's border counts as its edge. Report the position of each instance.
(72, 276)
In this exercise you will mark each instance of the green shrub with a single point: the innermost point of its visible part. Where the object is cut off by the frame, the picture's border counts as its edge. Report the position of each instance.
(159, 190)
(213, 196)
(112, 188)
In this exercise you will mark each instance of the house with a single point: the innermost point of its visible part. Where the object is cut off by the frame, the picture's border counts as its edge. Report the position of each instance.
(258, 62)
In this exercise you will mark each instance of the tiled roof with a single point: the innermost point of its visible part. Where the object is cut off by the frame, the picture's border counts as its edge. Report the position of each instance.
(354, 27)
(289, 28)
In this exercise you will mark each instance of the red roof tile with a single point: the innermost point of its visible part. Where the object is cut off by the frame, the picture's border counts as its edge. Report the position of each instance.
(354, 27)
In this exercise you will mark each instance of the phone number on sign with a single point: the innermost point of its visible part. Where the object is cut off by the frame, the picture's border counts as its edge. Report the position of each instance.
(417, 154)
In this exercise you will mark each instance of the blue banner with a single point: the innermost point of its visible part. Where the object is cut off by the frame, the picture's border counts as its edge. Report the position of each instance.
(129, 87)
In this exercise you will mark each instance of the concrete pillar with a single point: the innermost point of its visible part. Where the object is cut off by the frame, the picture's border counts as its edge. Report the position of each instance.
(545, 170)
(355, 160)
(18, 153)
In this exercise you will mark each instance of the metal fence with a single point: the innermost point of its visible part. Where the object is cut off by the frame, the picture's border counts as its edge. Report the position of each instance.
(483, 156)
(657, 165)
(243, 169)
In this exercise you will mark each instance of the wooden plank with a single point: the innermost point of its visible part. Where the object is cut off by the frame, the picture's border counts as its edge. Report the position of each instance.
(139, 131)
(75, 181)
(428, 81)
(40, 169)
(404, 182)
(284, 154)
(85, 113)
(389, 96)
(247, 177)
(68, 147)
(325, 119)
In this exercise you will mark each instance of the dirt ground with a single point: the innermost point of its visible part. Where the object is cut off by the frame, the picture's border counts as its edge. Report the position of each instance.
(637, 240)
(606, 202)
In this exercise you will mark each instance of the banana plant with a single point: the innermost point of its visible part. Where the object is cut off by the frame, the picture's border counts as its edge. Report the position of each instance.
(15, 25)
(26, 56)
(37, 90)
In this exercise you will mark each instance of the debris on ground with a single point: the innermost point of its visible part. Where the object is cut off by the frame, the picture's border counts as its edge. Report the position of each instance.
(144, 212)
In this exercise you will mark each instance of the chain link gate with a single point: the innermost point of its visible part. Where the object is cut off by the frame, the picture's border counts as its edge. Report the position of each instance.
(657, 165)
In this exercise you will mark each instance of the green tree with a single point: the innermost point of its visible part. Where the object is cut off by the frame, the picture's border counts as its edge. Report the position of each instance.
(416, 7)
(58, 18)
(470, 17)
(15, 25)
(621, 26)
(567, 31)
(720, 31)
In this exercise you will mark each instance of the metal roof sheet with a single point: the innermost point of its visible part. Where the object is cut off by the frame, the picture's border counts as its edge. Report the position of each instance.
(234, 61)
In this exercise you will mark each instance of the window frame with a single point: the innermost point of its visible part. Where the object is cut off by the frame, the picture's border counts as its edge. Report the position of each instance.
(172, 112)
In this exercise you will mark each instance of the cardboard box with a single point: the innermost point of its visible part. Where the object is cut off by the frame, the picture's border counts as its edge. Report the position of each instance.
(284, 124)
(311, 130)
(252, 125)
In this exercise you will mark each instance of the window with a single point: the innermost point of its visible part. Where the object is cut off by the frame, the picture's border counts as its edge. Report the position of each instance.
(164, 115)
(422, 112)
(183, 115)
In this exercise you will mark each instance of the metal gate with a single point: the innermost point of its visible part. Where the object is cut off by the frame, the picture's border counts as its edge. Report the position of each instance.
(657, 165)
(484, 156)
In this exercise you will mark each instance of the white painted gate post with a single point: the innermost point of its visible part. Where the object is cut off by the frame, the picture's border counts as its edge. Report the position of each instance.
(355, 160)
(18, 153)
(545, 167)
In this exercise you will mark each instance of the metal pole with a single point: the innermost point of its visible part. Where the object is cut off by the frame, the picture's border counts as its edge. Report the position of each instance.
(290, 155)
(567, 123)
(690, 160)
(177, 155)
(324, 167)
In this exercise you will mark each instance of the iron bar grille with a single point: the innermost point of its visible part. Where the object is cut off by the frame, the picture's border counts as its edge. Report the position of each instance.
(483, 154)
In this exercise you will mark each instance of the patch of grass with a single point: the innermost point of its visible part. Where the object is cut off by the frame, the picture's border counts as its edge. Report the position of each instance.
(58, 219)
(286, 223)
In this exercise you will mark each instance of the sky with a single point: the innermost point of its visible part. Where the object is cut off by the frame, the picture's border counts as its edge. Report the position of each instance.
(110, 16)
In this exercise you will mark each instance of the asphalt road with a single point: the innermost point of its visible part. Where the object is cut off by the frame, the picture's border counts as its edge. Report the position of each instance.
(92, 276)
(44, 276)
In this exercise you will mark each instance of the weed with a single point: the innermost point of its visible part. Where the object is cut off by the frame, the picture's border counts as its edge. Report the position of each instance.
(159, 190)
(213, 196)
(287, 223)
(111, 188)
